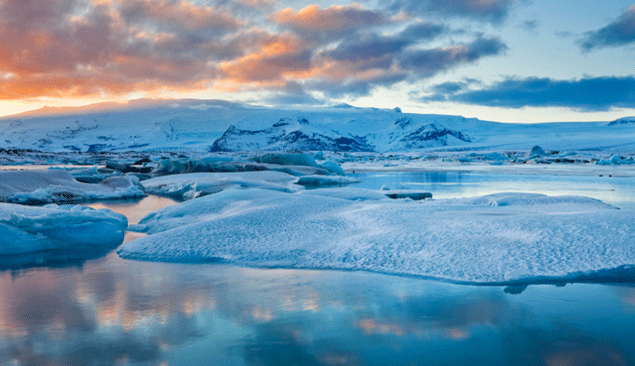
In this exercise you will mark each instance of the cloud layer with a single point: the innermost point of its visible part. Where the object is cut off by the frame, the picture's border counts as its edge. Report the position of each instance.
(106, 48)
(494, 11)
(589, 94)
(618, 33)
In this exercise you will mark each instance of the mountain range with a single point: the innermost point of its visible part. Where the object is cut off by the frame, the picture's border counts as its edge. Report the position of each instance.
(221, 126)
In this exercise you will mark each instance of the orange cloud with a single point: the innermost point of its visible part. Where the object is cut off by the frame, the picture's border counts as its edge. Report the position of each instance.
(63, 85)
(280, 56)
(335, 18)
(257, 3)
(110, 48)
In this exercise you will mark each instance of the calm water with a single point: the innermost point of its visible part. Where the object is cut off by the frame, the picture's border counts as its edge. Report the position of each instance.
(617, 191)
(107, 311)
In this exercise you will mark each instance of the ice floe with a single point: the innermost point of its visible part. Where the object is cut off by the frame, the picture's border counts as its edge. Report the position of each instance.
(28, 229)
(503, 238)
(48, 186)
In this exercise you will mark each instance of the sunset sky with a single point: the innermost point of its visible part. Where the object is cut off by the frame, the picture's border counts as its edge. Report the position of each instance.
(501, 60)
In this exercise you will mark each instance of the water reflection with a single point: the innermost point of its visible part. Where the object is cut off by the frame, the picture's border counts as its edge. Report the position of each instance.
(107, 311)
(617, 191)
(134, 209)
(120, 312)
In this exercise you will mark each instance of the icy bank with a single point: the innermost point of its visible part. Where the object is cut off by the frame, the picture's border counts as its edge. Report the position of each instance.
(504, 238)
(28, 229)
(38, 187)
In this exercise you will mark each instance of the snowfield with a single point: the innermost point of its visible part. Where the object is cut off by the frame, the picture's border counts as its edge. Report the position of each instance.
(503, 238)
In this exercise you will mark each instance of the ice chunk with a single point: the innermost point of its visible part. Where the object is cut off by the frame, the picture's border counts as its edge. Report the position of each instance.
(188, 186)
(332, 167)
(325, 180)
(529, 238)
(286, 159)
(92, 174)
(616, 160)
(29, 229)
(537, 151)
(403, 193)
(186, 165)
(37, 187)
(304, 165)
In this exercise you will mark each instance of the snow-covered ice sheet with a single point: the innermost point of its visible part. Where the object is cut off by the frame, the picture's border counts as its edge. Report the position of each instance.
(25, 229)
(503, 238)
(192, 185)
(37, 187)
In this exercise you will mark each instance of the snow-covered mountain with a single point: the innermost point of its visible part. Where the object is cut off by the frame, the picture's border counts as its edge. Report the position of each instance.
(300, 134)
(215, 125)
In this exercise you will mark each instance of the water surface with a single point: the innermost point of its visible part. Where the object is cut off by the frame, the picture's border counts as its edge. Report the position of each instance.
(103, 310)
(617, 191)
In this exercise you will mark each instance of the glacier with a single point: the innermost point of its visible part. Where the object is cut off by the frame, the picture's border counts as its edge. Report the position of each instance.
(27, 229)
(493, 239)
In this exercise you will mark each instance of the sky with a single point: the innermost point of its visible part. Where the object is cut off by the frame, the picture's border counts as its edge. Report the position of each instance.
(497, 60)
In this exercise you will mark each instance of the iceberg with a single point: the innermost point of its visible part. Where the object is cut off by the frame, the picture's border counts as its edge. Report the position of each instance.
(58, 186)
(325, 180)
(26, 229)
(506, 238)
(193, 185)
(286, 159)
(294, 164)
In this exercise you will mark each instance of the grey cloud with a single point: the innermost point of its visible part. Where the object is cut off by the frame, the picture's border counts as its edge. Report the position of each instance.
(367, 46)
(449, 87)
(422, 31)
(494, 11)
(597, 94)
(356, 88)
(618, 33)
(431, 61)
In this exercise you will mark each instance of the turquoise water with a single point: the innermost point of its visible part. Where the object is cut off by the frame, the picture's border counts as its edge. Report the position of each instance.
(102, 310)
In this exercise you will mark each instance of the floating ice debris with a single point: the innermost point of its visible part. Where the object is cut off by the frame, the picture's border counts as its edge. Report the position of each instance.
(286, 159)
(38, 187)
(27, 229)
(332, 167)
(413, 195)
(325, 180)
(188, 186)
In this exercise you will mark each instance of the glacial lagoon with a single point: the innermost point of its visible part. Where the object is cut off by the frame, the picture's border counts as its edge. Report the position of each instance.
(101, 309)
